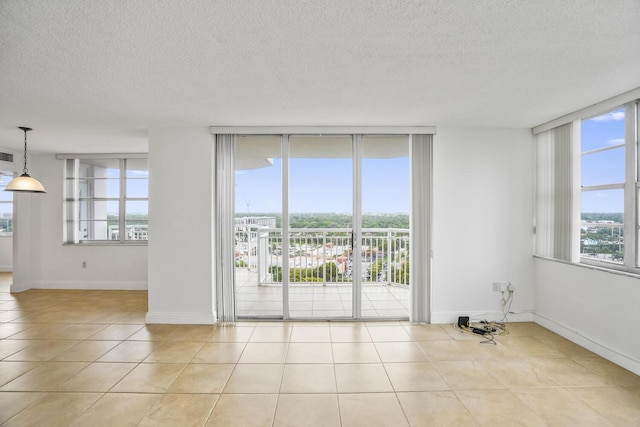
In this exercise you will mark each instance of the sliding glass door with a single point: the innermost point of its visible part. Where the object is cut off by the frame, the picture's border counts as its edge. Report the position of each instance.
(385, 226)
(322, 226)
(258, 226)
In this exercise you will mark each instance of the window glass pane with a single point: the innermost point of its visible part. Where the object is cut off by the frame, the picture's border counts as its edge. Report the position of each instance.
(99, 188)
(6, 217)
(137, 168)
(136, 230)
(321, 199)
(100, 168)
(98, 209)
(602, 131)
(385, 180)
(604, 167)
(97, 214)
(137, 188)
(136, 220)
(258, 212)
(137, 174)
(601, 230)
(137, 210)
(98, 230)
(5, 196)
(385, 238)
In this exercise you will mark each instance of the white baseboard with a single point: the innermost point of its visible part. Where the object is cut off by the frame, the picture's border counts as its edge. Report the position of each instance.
(181, 318)
(442, 317)
(579, 338)
(90, 285)
(6, 268)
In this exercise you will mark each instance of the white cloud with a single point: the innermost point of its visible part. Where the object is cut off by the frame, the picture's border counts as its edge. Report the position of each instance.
(612, 116)
(616, 141)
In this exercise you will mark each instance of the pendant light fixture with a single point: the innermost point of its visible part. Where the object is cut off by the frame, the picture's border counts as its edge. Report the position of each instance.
(24, 182)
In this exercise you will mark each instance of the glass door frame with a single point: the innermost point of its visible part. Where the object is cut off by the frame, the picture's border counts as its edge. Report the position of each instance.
(421, 159)
(356, 230)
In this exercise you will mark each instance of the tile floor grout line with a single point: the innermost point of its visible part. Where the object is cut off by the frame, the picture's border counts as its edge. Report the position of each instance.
(609, 380)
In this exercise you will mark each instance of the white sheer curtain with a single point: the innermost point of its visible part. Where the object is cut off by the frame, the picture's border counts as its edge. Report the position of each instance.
(421, 212)
(557, 200)
(225, 228)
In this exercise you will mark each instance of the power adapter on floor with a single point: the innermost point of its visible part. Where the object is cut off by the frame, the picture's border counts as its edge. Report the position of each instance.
(463, 321)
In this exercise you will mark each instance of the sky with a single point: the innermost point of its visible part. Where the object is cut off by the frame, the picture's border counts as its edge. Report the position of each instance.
(138, 187)
(606, 167)
(325, 186)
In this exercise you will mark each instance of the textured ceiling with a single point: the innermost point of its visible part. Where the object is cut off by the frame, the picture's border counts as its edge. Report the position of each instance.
(94, 75)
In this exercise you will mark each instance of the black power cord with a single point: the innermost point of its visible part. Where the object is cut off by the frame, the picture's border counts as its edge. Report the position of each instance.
(488, 330)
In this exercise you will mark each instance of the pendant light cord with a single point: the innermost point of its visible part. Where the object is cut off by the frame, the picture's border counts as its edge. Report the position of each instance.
(25, 170)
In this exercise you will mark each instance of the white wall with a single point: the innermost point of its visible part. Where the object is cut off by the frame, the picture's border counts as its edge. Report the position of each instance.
(482, 221)
(42, 261)
(596, 309)
(483, 182)
(180, 226)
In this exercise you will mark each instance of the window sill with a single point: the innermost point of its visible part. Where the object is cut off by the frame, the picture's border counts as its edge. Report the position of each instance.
(634, 275)
(106, 243)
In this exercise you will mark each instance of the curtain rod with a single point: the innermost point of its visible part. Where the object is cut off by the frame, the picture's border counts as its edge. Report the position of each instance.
(322, 130)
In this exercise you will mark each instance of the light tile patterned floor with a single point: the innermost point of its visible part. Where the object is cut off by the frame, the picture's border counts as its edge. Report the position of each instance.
(309, 301)
(85, 358)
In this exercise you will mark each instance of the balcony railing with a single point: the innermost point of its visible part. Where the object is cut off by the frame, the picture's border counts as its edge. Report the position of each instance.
(323, 255)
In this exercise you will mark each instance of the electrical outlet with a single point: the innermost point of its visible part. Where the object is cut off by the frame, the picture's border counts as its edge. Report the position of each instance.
(84, 264)
(501, 286)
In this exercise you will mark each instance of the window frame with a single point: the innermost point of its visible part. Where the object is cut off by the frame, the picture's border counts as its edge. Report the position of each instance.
(72, 199)
(630, 187)
(5, 234)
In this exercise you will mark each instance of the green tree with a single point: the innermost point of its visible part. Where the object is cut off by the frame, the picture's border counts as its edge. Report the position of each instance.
(375, 269)
(328, 271)
(400, 274)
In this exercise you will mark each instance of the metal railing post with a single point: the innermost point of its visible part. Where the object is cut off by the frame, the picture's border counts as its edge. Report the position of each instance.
(388, 254)
(324, 258)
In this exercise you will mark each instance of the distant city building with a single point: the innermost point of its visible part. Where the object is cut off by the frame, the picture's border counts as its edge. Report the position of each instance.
(265, 221)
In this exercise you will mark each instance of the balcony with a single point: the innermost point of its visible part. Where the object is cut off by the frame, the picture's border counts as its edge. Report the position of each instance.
(321, 272)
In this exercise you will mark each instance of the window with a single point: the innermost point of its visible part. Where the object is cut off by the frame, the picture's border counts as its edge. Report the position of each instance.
(609, 196)
(6, 205)
(106, 200)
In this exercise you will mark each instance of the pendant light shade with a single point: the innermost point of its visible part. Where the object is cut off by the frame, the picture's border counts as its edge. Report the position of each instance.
(25, 183)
